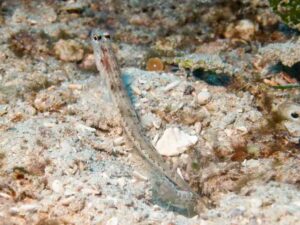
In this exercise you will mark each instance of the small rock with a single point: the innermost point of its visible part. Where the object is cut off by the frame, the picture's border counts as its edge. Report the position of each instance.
(293, 128)
(68, 50)
(253, 150)
(84, 129)
(3, 109)
(188, 90)
(119, 141)
(174, 141)
(52, 99)
(57, 186)
(88, 62)
(198, 127)
(149, 120)
(113, 221)
(203, 97)
(253, 115)
(244, 29)
(74, 7)
(77, 205)
(140, 19)
(171, 86)
(228, 119)
(26, 208)
(29, 207)
(40, 14)
(252, 163)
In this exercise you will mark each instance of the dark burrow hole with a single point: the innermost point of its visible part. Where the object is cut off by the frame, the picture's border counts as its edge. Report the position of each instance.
(212, 78)
(288, 31)
(295, 115)
(293, 71)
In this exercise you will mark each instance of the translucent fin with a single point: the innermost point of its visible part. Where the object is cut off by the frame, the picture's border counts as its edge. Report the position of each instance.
(107, 94)
(166, 194)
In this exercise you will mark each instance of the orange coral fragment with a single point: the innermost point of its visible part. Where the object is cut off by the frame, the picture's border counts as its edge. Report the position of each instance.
(155, 64)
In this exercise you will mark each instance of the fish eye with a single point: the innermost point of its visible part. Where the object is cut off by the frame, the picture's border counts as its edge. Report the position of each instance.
(97, 38)
(107, 36)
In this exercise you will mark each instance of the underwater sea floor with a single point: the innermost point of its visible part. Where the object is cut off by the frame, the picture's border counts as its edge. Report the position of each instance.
(218, 86)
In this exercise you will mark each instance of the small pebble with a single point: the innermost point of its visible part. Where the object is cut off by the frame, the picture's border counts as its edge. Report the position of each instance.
(171, 86)
(253, 150)
(88, 62)
(3, 109)
(149, 120)
(68, 50)
(198, 127)
(189, 90)
(246, 29)
(203, 97)
(57, 186)
(293, 128)
(119, 141)
(174, 142)
(113, 221)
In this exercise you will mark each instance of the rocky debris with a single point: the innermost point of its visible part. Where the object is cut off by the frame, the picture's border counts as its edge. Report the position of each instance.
(213, 62)
(174, 142)
(88, 63)
(64, 158)
(45, 101)
(150, 120)
(293, 128)
(57, 186)
(74, 7)
(244, 29)
(29, 43)
(68, 50)
(3, 109)
(203, 97)
(171, 86)
(259, 197)
(34, 14)
(287, 53)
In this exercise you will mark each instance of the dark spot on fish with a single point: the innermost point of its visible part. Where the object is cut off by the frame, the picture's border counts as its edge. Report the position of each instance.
(112, 87)
(105, 60)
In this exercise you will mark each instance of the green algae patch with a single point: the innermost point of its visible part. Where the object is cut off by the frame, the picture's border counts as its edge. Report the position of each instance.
(207, 62)
(288, 10)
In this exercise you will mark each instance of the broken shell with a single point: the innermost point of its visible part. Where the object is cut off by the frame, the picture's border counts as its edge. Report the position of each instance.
(57, 186)
(293, 128)
(174, 142)
(289, 111)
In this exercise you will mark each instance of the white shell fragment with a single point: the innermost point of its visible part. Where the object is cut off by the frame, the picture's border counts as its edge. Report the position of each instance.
(290, 112)
(171, 86)
(203, 97)
(174, 142)
(57, 186)
(293, 128)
